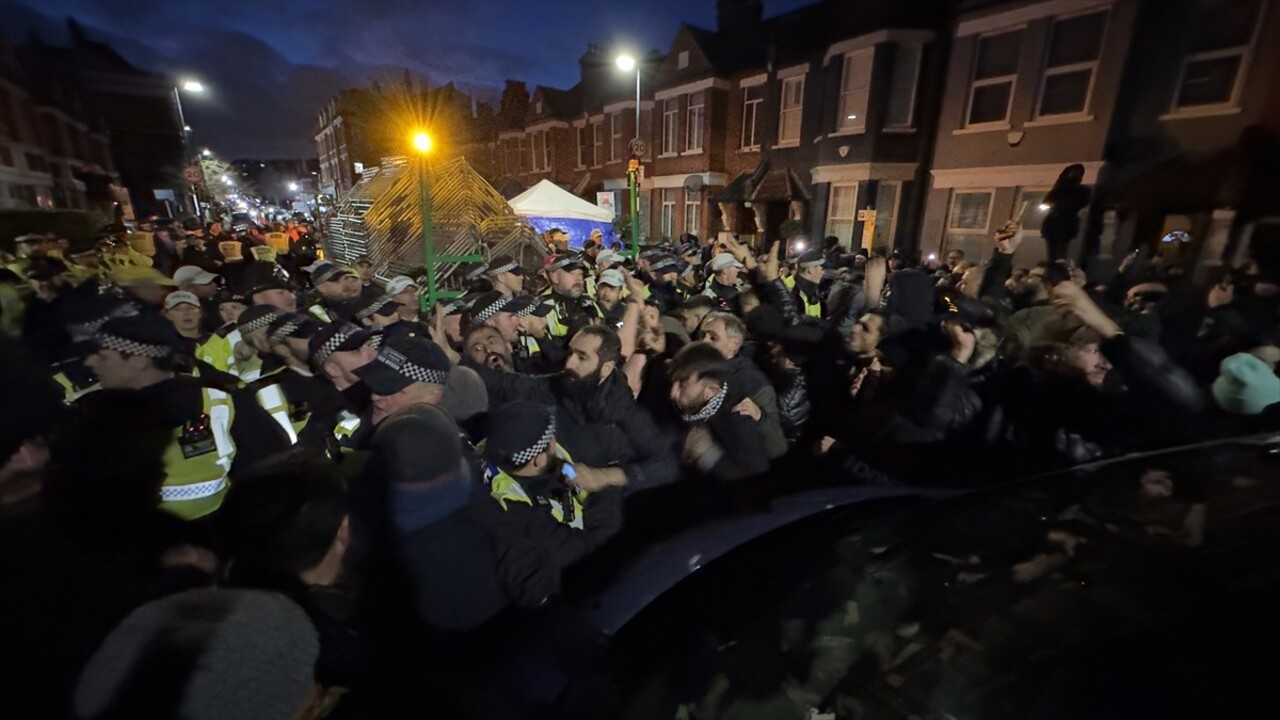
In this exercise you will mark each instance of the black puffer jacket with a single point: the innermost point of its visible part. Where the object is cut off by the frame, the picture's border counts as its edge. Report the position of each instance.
(1043, 420)
(793, 403)
(603, 428)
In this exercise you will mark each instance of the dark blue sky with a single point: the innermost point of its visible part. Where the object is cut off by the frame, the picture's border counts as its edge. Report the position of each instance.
(269, 64)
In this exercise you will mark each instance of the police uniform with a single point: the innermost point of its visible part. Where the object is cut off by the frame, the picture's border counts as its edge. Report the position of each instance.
(567, 314)
(806, 293)
(202, 421)
(350, 427)
(304, 406)
(248, 364)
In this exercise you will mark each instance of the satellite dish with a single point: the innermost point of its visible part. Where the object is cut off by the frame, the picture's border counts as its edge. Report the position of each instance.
(694, 183)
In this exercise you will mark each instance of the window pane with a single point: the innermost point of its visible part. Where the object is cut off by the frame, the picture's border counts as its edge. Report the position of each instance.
(842, 229)
(1033, 218)
(998, 55)
(969, 211)
(1065, 92)
(749, 117)
(902, 86)
(990, 103)
(855, 88)
(1077, 39)
(1222, 24)
(843, 199)
(886, 206)
(1208, 82)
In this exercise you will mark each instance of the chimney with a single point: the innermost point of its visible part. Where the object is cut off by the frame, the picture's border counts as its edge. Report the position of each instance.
(739, 17)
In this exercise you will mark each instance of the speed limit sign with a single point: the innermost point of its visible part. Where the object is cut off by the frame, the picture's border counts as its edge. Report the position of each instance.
(637, 147)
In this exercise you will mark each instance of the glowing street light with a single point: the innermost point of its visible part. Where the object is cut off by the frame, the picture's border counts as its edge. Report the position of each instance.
(422, 142)
(627, 63)
(193, 86)
(206, 152)
(293, 187)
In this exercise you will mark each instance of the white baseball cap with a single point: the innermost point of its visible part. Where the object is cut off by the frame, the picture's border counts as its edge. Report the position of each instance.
(193, 275)
(397, 284)
(722, 261)
(178, 297)
(611, 277)
(609, 256)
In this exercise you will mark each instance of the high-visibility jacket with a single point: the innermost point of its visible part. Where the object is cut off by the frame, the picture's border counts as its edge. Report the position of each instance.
(71, 391)
(809, 306)
(507, 489)
(198, 459)
(269, 393)
(348, 424)
(218, 349)
(320, 313)
(561, 313)
(527, 346)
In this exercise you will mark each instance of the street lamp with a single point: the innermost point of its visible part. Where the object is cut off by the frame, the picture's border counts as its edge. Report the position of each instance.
(206, 152)
(293, 187)
(422, 145)
(193, 86)
(626, 63)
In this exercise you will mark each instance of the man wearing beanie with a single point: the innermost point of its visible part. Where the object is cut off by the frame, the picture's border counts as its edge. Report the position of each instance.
(205, 654)
(201, 433)
(416, 512)
(1246, 385)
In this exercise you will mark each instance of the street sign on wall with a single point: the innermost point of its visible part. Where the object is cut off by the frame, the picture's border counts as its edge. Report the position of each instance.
(606, 200)
(868, 219)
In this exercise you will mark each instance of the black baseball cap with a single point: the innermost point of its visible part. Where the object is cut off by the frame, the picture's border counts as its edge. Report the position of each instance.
(336, 337)
(402, 361)
(257, 318)
(518, 432)
(490, 304)
(148, 335)
(375, 305)
(526, 305)
(502, 263)
(292, 325)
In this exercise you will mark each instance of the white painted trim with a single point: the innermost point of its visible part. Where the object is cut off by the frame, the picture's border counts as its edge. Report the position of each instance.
(1022, 15)
(703, 84)
(754, 80)
(982, 178)
(875, 38)
(1201, 112)
(1091, 65)
(666, 182)
(547, 125)
(1047, 120)
(983, 128)
(580, 123)
(861, 172)
(793, 71)
(628, 105)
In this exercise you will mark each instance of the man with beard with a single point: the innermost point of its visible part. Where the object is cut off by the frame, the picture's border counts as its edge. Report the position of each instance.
(571, 309)
(339, 288)
(506, 315)
(612, 438)
(719, 442)
(609, 297)
(724, 285)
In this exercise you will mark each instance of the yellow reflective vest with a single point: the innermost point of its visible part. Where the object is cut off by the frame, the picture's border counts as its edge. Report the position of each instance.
(199, 458)
(506, 489)
(218, 350)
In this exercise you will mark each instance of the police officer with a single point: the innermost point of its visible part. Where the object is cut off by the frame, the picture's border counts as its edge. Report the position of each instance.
(548, 521)
(382, 314)
(204, 433)
(723, 286)
(82, 312)
(506, 274)
(335, 353)
(252, 355)
(218, 347)
(804, 283)
(664, 273)
(339, 289)
(571, 309)
(304, 405)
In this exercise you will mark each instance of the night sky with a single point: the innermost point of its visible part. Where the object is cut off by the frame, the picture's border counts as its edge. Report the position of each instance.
(270, 65)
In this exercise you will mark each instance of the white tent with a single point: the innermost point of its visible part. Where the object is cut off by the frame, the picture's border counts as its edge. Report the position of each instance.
(548, 200)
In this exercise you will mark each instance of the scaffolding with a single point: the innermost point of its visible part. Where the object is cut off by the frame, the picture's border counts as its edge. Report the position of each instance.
(381, 216)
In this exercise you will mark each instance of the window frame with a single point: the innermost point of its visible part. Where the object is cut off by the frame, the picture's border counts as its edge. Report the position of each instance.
(915, 87)
(667, 212)
(859, 125)
(582, 160)
(597, 143)
(783, 110)
(1244, 52)
(897, 205)
(615, 136)
(671, 127)
(853, 217)
(699, 126)
(755, 104)
(1019, 197)
(1092, 66)
(692, 199)
(975, 83)
(951, 208)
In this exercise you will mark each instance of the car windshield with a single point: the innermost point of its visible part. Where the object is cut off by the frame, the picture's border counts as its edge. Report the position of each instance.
(1131, 588)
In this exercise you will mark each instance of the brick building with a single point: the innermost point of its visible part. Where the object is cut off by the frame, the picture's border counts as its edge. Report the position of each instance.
(54, 143)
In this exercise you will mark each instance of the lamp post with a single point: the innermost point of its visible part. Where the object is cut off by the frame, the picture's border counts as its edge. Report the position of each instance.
(626, 63)
(422, 145)
(196, 88)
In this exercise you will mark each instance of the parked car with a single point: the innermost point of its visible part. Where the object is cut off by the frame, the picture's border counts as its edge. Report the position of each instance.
(1141, 587)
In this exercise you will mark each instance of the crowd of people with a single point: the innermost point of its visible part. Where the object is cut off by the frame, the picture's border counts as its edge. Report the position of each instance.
(240, 483)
